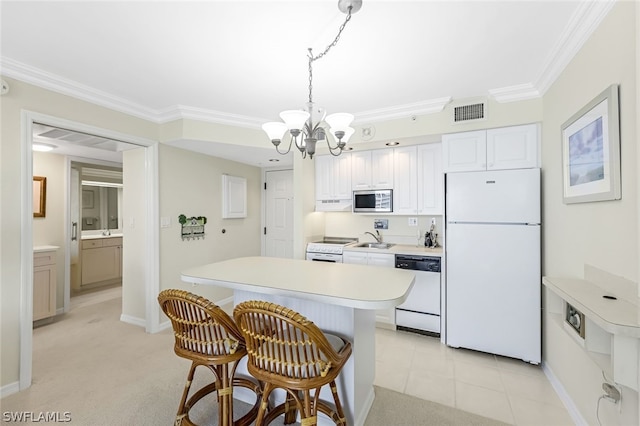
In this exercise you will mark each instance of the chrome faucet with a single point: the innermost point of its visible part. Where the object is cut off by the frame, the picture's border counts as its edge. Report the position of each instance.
(378, 237)
(106, 232)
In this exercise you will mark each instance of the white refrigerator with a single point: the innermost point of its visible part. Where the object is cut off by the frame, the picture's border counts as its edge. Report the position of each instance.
(493, 277)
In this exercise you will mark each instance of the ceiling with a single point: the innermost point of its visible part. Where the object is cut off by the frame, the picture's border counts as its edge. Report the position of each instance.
(242, 62)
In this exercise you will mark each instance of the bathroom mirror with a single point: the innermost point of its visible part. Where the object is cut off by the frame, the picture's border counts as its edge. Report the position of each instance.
(101, 206)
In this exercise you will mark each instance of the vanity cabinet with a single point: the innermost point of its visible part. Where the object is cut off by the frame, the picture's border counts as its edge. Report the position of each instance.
(418, 180)
(372, 169)
(101, 261)
(514, 147)
(333, 182)
(44, 282)
(384, 317)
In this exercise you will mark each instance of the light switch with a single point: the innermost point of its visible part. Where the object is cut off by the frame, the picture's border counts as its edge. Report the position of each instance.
(165, 222)
(413, 221)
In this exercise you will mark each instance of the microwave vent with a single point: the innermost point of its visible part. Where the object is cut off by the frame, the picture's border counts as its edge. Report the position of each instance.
(471, 112)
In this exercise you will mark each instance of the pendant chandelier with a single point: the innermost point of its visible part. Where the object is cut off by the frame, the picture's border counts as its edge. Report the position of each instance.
(308, 126)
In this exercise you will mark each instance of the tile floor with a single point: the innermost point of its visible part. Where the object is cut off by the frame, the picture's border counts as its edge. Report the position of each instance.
(497, 387)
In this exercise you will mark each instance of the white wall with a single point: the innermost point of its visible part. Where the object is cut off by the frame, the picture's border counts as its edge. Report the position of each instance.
(602, 234)
(191, 184)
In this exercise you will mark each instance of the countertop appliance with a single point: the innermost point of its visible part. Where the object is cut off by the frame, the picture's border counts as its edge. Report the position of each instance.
(421, 310)
(373, 201)
(329, 249)
(493, 262)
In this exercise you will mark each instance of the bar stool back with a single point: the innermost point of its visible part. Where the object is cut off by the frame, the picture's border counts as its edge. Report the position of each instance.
(288, 351)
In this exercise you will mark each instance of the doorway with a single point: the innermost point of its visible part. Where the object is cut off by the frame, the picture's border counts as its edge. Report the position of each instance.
(149, 191)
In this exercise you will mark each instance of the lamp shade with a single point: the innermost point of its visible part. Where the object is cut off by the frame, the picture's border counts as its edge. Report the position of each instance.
(294, 119)
(275, 130)
(339, 121)
(348, 132)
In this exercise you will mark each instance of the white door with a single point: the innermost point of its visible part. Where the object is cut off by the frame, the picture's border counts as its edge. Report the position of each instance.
(279, 214)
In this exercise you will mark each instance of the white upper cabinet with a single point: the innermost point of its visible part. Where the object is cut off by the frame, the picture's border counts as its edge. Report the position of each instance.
(430, 179)
(405, 191)
(372, 169)
(465, 152)
(333, 182)
(513, 147)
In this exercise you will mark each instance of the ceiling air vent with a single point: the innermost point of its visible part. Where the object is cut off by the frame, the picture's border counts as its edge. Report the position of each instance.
(470, 112)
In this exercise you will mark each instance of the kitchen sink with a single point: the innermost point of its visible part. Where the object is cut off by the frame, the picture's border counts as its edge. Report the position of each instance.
(375, 245)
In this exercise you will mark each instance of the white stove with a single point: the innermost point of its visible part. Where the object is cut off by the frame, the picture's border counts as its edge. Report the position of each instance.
(329, 249)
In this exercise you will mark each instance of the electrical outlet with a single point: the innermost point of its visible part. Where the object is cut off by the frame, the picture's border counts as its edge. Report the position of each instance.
(413, 221)
(433, 221)
(611, 392)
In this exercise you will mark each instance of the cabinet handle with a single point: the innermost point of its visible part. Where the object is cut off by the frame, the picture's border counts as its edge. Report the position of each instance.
(74, 231)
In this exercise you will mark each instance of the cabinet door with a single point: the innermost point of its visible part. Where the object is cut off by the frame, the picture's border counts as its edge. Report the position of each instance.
(358, 257)
(361, 170)
(405, 191)
(513, 147)
(465, 152)
(382, 259)
(324, 177)
(430, 179)
(100, 264)
(342, 176)
(382, 169)
(44, 291)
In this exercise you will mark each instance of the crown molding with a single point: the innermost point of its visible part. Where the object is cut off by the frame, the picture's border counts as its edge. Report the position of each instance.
(200, 114)
(430, 106)
(45, 80)
(583, 23)
(519, 92)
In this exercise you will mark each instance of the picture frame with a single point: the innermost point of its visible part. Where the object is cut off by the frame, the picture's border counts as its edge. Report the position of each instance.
(87, 199)
(39, 196)
(591, 151)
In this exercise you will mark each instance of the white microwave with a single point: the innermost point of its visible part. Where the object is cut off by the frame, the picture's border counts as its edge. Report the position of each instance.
(373, 201)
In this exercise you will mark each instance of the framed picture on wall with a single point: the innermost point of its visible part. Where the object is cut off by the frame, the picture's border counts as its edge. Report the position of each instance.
(39, 196)
(591, 151)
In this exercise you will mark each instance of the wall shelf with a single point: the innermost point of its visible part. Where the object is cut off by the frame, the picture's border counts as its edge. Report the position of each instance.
(612, 326)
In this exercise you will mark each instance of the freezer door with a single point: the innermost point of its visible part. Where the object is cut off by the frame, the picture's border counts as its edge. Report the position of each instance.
(493, 289)
(494, 196)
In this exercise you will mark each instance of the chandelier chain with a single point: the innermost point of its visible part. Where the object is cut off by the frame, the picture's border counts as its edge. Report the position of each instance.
(326, 50)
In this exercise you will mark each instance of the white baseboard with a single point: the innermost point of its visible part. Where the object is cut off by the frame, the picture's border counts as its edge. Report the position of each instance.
(140, 322)
(9, 389)
(564, 396)
(164, 325)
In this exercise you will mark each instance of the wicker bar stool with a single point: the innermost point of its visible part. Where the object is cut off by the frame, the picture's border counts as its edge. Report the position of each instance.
(207, 336)
(287, 351)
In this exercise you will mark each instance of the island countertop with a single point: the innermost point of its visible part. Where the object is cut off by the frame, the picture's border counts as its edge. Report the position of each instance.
(355, 286)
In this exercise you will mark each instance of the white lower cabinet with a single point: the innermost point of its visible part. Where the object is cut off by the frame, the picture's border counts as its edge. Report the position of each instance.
(44, 283)
(384, 317)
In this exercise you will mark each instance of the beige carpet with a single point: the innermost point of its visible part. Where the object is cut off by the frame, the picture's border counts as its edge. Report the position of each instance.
(105, 372)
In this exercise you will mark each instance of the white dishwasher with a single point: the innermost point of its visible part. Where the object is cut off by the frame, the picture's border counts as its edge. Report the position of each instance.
(420, 313)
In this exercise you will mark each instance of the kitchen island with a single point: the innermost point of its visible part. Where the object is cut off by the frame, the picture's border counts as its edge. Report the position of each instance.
(339, 298)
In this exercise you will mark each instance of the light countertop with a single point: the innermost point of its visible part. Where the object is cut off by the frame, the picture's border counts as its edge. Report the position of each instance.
(355, 286)
(400, 249)
(39, 249)
(97, 236)
(619, 316)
